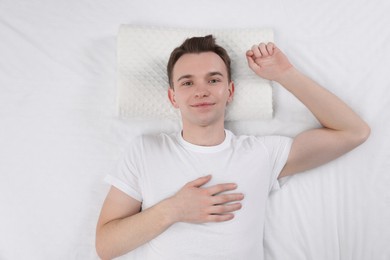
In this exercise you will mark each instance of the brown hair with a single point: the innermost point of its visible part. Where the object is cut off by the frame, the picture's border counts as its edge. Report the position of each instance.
(197, 45)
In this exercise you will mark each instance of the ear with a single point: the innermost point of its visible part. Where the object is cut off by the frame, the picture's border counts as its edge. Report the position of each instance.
(171, 96)
(231, 92)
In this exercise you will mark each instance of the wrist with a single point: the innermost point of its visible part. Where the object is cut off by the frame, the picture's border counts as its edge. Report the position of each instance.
(287, 75)
(168, 211)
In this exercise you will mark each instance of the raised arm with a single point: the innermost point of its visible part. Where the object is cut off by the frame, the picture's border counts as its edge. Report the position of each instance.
(122, 226)
(342, 128)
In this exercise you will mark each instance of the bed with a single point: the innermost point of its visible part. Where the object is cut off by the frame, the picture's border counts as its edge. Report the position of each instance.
(60, 132)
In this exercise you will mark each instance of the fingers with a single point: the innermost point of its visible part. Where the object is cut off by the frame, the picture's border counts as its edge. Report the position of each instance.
(220, 218)
(227, 198)
(225, 209)
(199, 182)
(256, 51)
(224, 212)
(262, 50)
(221, 213)
(199, 204)
(249, 53)
(213, 190)
(224, 204)
(250, 60)
(270, 48)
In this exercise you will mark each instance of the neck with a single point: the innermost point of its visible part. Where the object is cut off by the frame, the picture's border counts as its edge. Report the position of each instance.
(204, 136)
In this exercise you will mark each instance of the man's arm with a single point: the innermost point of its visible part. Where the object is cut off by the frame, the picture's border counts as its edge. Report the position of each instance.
(342, 129)
(122, 227)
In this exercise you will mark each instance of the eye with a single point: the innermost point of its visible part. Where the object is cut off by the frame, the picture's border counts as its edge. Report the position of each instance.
(187, 83)
(214, 81)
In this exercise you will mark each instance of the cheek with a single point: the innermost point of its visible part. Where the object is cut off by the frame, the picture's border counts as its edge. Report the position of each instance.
(181, 97)
(223, 92)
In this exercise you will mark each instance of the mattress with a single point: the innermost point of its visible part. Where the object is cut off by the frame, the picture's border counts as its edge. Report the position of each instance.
(61, 133)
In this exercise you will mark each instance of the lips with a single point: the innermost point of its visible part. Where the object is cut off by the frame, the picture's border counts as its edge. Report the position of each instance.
(203, 104)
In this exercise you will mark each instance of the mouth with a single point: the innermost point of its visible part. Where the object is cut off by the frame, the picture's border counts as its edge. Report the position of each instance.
(203, 104)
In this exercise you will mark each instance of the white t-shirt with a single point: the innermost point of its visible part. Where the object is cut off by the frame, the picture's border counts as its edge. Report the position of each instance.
(156, 167)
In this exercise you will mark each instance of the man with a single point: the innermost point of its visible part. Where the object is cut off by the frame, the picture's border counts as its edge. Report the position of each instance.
(201, 193)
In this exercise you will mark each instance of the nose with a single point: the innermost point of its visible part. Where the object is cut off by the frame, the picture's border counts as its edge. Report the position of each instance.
(202, 91)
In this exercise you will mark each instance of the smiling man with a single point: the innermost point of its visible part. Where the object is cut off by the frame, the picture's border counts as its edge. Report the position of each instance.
(201, 193)
(201, 89)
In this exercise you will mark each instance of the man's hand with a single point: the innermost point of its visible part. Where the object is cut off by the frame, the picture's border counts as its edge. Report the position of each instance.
(195, 204)
(267, 61)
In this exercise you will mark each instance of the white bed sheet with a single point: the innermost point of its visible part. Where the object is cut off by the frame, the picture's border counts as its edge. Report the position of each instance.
(60, 135)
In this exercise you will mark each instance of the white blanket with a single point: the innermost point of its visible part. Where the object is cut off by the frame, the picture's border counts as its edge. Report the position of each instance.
(60, 133)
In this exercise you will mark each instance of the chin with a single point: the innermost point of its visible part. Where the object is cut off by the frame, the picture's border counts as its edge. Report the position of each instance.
(205, 122)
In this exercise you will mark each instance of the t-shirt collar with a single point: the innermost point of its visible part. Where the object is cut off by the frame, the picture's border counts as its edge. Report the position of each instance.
(206, 149)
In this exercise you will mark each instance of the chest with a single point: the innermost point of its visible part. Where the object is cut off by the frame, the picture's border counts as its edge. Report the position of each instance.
(165, 175)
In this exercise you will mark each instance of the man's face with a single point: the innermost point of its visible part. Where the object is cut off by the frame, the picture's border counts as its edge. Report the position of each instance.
(201, 88)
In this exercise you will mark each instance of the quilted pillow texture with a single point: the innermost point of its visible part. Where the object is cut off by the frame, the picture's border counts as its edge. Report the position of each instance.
(143, 53)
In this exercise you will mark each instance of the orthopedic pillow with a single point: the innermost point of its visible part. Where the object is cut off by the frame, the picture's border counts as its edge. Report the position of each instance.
(143, 53)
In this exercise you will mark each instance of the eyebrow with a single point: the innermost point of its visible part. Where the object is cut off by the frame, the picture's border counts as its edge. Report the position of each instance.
(213, 73)
(187, 76)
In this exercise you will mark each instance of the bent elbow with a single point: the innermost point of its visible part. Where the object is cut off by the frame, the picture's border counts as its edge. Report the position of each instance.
(362, 135)
(365, 133)
(101, 249)
(101, 253)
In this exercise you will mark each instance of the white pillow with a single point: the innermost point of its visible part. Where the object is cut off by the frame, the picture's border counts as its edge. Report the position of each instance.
(143, 53)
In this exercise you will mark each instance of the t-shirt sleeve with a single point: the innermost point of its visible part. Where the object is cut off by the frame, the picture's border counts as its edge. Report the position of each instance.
(278, 148)
(126, 175)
